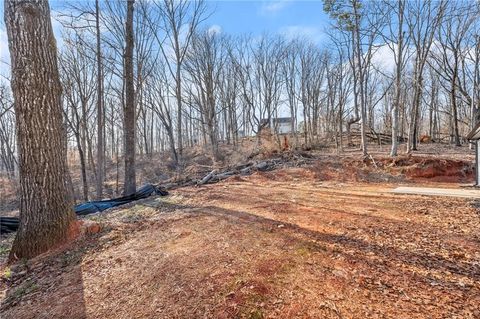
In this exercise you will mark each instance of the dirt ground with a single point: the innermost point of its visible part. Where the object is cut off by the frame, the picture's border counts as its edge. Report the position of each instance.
(290, 243)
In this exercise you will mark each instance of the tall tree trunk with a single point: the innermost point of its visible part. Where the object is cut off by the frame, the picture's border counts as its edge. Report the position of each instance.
(129, 113)
(90, 155)
(100, 112)
(83, 165)
(417, 95)
(46, 213)
(171, 140)
(178, 94)
(363, 107)
(398, 80)
(454, 101)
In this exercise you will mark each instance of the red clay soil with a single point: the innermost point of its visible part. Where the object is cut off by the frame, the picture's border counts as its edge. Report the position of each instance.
(399, 169)
(432, 169)
(281, 244)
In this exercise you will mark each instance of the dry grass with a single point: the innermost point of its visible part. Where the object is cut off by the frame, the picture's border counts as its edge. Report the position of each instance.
(282, 244)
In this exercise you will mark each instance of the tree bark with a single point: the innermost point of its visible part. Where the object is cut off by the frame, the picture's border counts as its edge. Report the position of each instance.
(100, 112)
(83, 170)
(129, 112)
(46, 213)
(398, 80)
(178, 94)
(453, 97)
(363, 106)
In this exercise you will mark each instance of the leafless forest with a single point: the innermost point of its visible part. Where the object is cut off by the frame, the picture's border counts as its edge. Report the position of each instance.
(196, 86)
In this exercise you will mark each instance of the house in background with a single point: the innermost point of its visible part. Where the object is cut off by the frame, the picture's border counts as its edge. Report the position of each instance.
(280, 125)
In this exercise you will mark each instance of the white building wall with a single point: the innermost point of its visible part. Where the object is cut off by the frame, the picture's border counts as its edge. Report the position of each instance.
(284, 128)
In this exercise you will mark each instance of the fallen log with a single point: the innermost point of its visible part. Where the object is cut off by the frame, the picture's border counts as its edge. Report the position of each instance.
(222, 176)
(262, 166)
(245, 169)
(206, 178)
(242, 166)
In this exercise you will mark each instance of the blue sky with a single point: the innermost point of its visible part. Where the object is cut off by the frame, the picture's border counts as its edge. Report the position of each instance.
(291, 18)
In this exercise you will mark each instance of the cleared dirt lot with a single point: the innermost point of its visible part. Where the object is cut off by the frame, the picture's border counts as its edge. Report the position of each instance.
(280, 244)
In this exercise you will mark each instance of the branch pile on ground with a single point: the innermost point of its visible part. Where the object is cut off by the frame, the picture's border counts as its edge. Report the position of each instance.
(216, 175)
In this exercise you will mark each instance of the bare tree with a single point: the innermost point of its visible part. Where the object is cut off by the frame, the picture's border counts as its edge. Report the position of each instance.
(100, 111)
(179, 20)
(46, 214)
(290, 70)
(129, 109)
(203, 64)
(157, 95)
(359, 23)
(312, 68)
(423, 19)
(396, 44)
(77, 75)
(8, 160)
(448, 52)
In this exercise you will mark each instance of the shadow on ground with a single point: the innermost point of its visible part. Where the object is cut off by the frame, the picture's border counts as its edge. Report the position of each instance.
(53, 287)
(48, 286)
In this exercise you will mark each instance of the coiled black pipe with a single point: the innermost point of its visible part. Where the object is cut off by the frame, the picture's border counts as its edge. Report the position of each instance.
(11, 224)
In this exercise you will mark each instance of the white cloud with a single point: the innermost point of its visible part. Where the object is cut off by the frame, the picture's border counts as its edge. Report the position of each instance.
(215, 29)
(384, 59)
(270, 7)
(4, 53)
(298, 32)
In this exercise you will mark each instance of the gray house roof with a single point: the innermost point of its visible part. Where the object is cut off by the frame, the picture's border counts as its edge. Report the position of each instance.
(277, 120)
